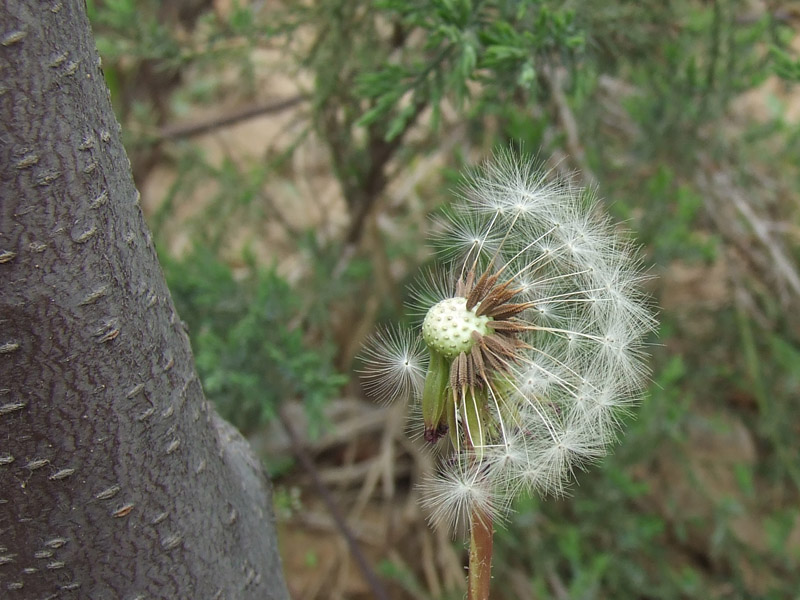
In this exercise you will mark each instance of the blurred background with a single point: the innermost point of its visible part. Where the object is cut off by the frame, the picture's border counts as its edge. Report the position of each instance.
(289, 156)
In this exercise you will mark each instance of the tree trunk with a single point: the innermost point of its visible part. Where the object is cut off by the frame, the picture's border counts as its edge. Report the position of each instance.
(117, 479)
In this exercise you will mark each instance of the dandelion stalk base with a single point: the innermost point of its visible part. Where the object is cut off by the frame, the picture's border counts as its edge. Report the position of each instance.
(480, 555)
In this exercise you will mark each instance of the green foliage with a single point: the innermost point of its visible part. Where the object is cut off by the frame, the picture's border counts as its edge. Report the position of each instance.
(696, 69)
(785, 65)
(494, 43)
(405, 578)
(248, 341)
(675, 220)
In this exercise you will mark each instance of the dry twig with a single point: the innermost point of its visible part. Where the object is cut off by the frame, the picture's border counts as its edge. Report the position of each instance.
(184, 130)
(372, 580)
(741, 225)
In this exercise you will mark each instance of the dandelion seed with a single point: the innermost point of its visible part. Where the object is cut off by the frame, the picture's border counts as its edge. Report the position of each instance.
(452, 495)
(395, 365)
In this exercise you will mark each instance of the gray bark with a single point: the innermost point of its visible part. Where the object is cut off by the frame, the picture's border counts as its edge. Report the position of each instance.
(117, 479)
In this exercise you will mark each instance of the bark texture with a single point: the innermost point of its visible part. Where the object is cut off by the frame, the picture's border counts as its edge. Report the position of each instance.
(117, 479)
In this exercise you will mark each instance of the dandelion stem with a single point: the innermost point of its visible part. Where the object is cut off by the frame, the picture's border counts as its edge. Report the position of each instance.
(480, 555)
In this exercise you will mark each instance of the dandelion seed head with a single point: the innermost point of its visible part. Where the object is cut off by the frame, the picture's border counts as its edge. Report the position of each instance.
(449, 326)
(532, 340)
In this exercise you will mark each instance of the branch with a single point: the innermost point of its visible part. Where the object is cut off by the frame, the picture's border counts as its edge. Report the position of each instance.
(555, 79)
(184, 130)
(374, 583)
(374, 181)
(722, 195)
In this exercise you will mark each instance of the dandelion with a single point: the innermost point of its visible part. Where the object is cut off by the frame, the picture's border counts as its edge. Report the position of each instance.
(530, 349)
